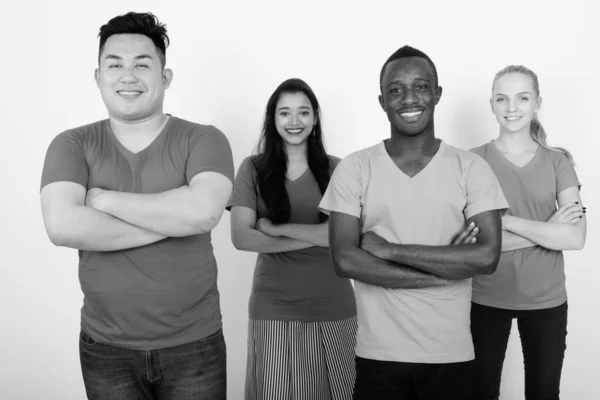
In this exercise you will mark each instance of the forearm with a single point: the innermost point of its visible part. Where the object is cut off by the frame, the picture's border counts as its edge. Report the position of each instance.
(551, 235)
(355, 263)
(512, 242)
(316, 234)
(455, 262)
(176, 212)
(253, 240)
(84, 228)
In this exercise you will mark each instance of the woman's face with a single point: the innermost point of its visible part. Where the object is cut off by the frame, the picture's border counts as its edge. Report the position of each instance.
(294, 118)
(514, 101)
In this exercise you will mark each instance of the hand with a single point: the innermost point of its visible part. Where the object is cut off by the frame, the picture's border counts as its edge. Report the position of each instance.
(373, 243)
(93, 198)
(468, 235)
(569, 213)
(265, 225)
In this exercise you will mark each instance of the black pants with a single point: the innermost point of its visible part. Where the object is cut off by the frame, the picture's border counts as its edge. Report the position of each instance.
(543, 339)
(388, 380)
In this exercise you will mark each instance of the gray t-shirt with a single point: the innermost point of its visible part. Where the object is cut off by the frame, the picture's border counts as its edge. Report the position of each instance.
(163, 294)
(295, 285)
(531, 278)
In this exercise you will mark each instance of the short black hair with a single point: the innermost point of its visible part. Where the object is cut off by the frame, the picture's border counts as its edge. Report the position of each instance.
(404, 52)
(146, 24)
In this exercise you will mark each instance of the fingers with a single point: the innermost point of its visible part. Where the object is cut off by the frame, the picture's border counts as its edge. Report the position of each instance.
(467, 235)
(471, 237)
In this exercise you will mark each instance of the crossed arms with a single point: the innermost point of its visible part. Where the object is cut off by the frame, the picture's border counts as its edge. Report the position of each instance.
(104, 220)
(373, 260)
(564, 230)
(263, 236)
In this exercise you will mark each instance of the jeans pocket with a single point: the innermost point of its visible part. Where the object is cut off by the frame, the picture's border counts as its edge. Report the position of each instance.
(86, 339)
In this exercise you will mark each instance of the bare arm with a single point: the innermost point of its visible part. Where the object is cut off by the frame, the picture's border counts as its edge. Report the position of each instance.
(245, 236)
(185, 211)
(350, 261)
(315, 234)
(511, 242)
(70, 223)
(565, 230)
(449, 262)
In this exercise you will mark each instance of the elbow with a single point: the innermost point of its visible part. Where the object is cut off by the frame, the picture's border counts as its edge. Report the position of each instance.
(57, 236)
(204, 223)
(489, 261)
(579, 243)
(340, 267)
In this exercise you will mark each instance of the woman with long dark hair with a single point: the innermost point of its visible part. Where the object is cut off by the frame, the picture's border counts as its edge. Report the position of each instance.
(529, 282)
(302, 327)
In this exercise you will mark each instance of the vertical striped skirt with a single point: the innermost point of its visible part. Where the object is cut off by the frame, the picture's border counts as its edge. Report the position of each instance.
(295, 360)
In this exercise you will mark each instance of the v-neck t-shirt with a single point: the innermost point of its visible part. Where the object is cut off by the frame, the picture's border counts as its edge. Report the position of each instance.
(427, 325)
(534, 277)
(163, 294)
(296, 285)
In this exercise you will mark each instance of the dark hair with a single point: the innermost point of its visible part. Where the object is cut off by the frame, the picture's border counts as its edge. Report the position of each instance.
(536, 130)
(271, 160)
(146, 24)
(404, 52)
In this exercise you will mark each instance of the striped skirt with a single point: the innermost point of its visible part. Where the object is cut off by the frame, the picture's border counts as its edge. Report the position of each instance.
(294, 360)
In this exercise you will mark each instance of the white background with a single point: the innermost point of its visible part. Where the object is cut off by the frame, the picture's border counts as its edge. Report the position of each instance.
(227, 58)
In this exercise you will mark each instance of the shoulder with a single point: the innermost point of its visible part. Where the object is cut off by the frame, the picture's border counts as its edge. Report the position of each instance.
(557, 158)
(480, 150)
(465, 157)
(81, 134)
(363, 155)
(333, 162)
(195, 130)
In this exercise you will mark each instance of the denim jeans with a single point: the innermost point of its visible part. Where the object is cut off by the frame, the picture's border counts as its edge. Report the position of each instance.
(195, 370)
(390, 380)
(543, 339)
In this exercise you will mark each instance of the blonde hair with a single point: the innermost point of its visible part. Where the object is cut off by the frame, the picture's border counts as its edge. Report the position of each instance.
(537, 131)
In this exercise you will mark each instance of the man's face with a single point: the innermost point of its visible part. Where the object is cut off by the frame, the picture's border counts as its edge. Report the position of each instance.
(131, 78)
(409, 95)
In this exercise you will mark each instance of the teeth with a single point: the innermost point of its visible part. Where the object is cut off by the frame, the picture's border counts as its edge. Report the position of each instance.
(128, 93)
(294, 130)
(411, 114)
(512, 118)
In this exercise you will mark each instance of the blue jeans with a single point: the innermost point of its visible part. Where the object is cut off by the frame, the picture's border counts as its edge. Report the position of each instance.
(543, 339)
(195, 370)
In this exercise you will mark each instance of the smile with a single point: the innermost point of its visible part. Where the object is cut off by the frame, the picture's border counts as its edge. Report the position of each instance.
(412, 115)
(129, 93)
(512, 118)
(295, 131)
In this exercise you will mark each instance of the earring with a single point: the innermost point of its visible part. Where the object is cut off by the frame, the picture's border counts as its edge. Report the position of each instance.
(313, 132)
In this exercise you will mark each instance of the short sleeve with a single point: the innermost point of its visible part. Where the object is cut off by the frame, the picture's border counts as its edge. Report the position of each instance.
(65, 161)
(209, 152)
(566, 176)
(244, 187)
(483, 189)
(344, 191)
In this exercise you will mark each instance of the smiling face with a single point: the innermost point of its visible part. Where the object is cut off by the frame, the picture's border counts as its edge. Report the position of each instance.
(409, 95)
(294, 118)
(131, 78)
(514, 101)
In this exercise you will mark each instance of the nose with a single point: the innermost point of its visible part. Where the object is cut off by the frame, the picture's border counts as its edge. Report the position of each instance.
(409, 97)
(294, 119)
(128, 75)
(512, 105)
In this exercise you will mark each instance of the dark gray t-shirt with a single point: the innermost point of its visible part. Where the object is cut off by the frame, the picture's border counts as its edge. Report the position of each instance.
(296, 285)
(163, 294)
(534, 277)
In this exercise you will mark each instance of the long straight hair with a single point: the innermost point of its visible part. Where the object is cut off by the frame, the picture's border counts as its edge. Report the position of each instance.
(271, 160)
(536, 130)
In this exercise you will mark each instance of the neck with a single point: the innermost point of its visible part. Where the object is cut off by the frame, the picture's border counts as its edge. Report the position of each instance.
(520, 140)
(413, 146)
(296, 153)
(146, 126)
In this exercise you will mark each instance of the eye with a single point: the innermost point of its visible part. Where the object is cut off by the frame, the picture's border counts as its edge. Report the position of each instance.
(284, 113)
(499, 100)
(395, 90)
(115, 66)
(142, 66)
(422, 87)
(305, 113)
(524, 98)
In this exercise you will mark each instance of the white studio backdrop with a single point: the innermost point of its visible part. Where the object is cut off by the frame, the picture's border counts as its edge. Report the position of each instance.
(227, 58)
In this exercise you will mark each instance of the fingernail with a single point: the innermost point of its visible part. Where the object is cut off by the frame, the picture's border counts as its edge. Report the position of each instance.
(581, 216)
(476, 228)
(576, 202)
(472, 223)
(584, 211)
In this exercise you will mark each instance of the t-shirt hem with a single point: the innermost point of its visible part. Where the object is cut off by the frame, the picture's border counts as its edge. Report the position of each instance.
(539, 306)
(445, 358)
(288, 317)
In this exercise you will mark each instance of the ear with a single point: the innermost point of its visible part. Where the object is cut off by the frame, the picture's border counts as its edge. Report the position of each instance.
(539, 104)
(167, 77)
(438, 94)
(382, 102)
(492, 104)
(97, 76)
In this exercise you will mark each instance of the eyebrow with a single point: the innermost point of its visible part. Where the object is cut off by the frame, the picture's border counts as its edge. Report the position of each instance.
(502, 94)
(301, 107)
(400, 82)
(116, 57)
